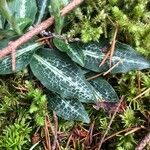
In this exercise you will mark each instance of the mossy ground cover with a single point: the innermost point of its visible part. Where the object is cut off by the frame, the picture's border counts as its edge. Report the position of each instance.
(25, 120)
(23, 113)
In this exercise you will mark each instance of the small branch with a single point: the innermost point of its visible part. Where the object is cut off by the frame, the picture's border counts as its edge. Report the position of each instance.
(102, 139)
(56, 128)
(144, 142)
(26, 37)
(105, 58)
(115, 65)
(70, 7)
(93, 77)
(146, 91)
(47, 136)
(89, 137)
(129, 131)
(110, 53)
(53, 130)
(68, 142)
(35, 31)
(112, 48)
(133, 130)
(33, 146)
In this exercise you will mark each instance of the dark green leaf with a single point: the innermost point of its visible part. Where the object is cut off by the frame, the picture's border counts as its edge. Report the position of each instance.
(69, 109)
(24, 8)
(93, 56)
(4, 10)
(73, 50)
(126, 56)
(23, 57)
(129, 59)
(23, 23)
(59, 74)
(55, 8)
(2, 21)
(103, 90)
(42, 10)
(7, 33)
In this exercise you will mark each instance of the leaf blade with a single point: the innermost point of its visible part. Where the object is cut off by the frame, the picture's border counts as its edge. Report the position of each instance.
(126, 56)
(23, 57)
(59, 74)
(68, 109)
(73, 50)
(104, 90)
(42, 10)
(23, 8)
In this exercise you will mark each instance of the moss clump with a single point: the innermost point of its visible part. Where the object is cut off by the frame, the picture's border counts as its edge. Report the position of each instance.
(95, 19)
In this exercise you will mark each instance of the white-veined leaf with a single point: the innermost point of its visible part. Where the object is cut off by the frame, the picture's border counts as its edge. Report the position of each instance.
(73, 50)
(103, 90)
(126, 57)
(68, 109)
(58, 73)
(23, 56)
(23, 8)
(23, 23)
(42, 10)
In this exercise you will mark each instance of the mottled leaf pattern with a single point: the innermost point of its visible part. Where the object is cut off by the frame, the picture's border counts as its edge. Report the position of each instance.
(23, 8)
(59, 74)
(23, 57)
(42, 10)
(104, 90)
(69, 109)
(93, 56)
(129, 59)
(126, 57)
(73, 50)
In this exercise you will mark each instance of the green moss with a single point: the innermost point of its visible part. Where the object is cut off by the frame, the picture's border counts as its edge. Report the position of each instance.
(95, 19)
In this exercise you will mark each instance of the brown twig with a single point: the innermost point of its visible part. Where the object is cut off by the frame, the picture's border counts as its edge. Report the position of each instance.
(110, 69)
(146, 91)
(112, 48)
(117, 133)
(110, 53)
(127, 130)
(35, 31)
(139, 82)
(133, 130)
(68, 142)
(52, 129)
(105, 58)
(103, 137)
(89, 137)
(56, 128)
(13, 55)
(93, 77)
(47, 136)
(144, 142)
